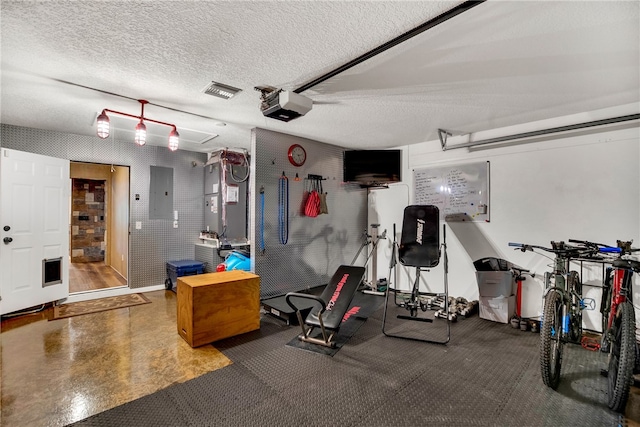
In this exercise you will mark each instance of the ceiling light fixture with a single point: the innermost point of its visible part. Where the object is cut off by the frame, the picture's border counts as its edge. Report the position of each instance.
(103, 126)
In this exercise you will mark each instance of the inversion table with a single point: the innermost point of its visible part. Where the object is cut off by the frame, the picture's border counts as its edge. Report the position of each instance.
(330, 307)
(420, 248)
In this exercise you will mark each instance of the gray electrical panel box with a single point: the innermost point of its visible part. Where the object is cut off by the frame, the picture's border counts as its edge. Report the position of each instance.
(161, 193)
(226, 197)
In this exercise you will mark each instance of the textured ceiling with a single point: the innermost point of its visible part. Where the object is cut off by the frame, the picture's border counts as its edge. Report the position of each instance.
(499, 64)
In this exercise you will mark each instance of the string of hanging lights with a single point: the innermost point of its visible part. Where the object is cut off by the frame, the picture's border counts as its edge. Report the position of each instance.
(103, 126)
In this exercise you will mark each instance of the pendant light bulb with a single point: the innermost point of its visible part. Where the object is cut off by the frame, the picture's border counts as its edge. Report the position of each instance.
(174, 139)
(141, 134)
(103, 126)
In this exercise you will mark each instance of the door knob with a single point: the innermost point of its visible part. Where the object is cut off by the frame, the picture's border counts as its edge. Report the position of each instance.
(7, 240)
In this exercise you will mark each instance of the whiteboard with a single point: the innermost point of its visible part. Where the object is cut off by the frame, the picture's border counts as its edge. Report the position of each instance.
(461, 192)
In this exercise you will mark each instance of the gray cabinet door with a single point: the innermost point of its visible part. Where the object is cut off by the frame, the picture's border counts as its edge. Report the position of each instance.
(211, 179)
(235, 212)
(212, 212)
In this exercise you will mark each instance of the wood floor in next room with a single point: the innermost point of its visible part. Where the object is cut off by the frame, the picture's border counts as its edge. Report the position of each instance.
(90, 276)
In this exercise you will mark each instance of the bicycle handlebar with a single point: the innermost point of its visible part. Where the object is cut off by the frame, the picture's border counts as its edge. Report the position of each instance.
(585, 249)
(609, 250)
(526, 247)
(622, 248)
(600, 247)
(588, 243)
(523, 247)
(558, 248)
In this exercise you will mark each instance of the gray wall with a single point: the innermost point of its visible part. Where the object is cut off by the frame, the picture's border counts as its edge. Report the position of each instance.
(157, 242)
(316, 246)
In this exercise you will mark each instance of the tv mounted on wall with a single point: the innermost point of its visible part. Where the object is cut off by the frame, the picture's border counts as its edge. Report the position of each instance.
(371, 168)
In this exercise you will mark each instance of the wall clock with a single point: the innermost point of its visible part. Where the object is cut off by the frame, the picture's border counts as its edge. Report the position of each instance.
(297, 155)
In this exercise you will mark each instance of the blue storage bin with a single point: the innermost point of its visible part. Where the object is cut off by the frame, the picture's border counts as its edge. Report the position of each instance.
(181, 268)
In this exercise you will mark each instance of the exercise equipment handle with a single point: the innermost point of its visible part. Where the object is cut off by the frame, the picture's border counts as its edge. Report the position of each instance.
(305, 296)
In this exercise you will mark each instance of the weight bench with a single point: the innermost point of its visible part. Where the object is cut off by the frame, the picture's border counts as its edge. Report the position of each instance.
(330, 307)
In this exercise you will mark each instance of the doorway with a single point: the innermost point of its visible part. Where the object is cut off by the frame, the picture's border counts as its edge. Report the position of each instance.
(99, 231)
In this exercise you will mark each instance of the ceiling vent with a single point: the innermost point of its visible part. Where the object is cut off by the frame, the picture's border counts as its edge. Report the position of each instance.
(221, 90)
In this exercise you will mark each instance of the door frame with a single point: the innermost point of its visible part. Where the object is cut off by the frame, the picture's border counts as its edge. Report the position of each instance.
(105, 171)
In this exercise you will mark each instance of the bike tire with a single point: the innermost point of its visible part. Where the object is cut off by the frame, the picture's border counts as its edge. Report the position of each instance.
(551, 340)
(575, 314)
(622, 357)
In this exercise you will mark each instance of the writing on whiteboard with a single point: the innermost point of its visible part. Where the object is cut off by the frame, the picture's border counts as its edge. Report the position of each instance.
(461, 192)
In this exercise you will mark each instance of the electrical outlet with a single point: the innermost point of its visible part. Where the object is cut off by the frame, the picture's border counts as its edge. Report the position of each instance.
(175, 224)
(138, 225)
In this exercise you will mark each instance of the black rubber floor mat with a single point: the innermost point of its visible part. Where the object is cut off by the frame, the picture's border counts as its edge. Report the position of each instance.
(488, 375)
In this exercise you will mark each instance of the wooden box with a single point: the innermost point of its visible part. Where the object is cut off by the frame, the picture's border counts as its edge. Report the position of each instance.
(219, 305)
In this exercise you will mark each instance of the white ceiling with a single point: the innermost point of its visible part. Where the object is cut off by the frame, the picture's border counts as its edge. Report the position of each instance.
(499, 64)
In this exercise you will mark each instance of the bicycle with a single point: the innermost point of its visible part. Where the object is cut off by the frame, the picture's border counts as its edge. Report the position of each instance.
(561, 320)
(618, 321)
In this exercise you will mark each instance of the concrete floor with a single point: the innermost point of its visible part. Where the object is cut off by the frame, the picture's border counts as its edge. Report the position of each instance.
(61, 371)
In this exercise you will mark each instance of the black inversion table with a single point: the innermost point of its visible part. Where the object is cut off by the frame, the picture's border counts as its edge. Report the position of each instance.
(330, 307)
(420, 248)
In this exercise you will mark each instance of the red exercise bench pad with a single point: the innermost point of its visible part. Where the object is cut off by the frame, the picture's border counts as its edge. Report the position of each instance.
(337, 296)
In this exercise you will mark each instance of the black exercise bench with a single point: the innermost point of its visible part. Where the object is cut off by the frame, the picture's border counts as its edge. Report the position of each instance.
(330, 307)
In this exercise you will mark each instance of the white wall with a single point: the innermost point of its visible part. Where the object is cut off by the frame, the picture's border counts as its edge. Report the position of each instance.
(583, 185)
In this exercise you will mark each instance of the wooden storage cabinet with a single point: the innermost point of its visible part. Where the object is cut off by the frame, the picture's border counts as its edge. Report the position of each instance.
(214, 306)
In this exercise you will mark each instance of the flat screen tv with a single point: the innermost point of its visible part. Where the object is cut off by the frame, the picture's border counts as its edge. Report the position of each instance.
(372, 167)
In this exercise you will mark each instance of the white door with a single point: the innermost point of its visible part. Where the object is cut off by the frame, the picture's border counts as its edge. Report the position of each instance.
(34, 229)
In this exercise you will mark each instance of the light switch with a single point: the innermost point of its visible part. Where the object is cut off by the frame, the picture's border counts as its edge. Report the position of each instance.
(138, 225)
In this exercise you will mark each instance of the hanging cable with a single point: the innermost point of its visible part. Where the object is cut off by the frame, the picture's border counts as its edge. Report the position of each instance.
(283, 209)
(245, 163)
(223, 190)
(261, 247)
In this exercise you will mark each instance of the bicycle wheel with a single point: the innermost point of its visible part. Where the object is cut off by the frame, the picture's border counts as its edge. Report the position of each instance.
(622, 357)
(575, 313)
(550, 340)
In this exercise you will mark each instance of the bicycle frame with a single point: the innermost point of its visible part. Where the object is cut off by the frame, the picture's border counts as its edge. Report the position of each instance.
(619, 332)
(618, 322)
(559, 285)
(621, 282)
(617, 287)
(561, 276)
(561, 320)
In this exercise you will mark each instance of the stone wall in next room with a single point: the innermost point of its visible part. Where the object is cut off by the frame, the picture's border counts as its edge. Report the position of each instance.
(88, 225)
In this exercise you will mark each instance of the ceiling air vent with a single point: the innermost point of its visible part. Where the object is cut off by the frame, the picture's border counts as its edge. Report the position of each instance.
(221, 90)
